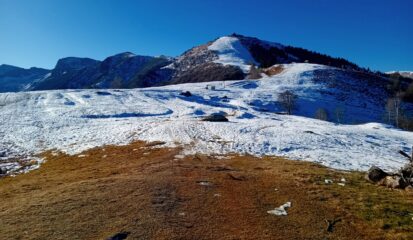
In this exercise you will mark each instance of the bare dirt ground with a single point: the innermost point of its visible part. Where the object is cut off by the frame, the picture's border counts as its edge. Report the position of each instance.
(155, 193)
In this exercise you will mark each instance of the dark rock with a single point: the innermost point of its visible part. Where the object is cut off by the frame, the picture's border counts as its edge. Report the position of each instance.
(119, 236)
(308, 131)
(375, 174)
(155, 143)
(221, 168)
(331, 224)
(216, 117)
(103, 93)
(407, 171)
(186, 94)
(238, 177)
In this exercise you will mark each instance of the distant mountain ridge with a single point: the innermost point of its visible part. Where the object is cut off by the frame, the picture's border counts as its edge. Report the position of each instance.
(406, 74)
(226, 58)
(15, 79)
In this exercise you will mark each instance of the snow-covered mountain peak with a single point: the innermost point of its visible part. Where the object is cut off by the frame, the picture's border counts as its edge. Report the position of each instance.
(231, 51)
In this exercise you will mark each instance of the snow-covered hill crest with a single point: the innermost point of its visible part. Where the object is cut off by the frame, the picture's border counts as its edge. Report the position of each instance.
(230, 51)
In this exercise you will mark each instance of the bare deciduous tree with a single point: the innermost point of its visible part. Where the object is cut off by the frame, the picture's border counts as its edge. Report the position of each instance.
(321, 114)
(339, 114)
(254, 73)
(394, 110)
(288, 100)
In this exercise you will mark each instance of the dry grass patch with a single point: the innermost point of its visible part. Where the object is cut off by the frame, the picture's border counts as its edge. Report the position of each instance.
(152, 194)
(274, 70)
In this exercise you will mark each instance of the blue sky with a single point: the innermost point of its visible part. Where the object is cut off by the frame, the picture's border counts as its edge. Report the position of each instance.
(372, 33)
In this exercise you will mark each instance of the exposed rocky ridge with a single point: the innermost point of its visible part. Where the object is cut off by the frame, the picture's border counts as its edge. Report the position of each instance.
(123, 70)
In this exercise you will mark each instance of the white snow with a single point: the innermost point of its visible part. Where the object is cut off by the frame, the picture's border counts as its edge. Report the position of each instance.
(76, 120)
(231, 52)
(408, 74)
(282, 210)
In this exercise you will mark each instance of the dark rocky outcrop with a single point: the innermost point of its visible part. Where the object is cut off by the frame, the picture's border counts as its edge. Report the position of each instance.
(215, 117)
(402, 179)
(186, 94)
(375, 174)
(209, 72)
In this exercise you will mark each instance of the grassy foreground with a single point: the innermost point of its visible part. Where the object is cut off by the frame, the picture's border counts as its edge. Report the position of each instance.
(155, 193)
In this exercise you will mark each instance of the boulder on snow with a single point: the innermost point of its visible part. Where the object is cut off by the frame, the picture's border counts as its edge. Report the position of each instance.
(375, 174)
(215, 117)
(186, 94)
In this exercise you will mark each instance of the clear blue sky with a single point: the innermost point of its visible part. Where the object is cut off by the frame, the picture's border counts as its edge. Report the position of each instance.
(372, 33)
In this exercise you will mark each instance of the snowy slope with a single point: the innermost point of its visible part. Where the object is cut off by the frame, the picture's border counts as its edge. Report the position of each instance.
(75, 120)
(230, 51)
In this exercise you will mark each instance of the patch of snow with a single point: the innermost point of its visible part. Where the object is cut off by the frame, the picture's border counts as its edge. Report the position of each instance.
(204, 183)
(231, 52)
(282, 210)
(328, 181)
(408, 74)
(179, 156)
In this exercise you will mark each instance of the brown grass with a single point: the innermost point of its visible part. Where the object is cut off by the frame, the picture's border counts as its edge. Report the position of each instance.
(271, 71)
(153, 195)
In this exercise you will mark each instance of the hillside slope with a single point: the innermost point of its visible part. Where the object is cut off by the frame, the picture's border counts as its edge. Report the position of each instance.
(76, 120)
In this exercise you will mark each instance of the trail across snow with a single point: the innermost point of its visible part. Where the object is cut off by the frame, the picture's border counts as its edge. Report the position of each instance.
(76, 120)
